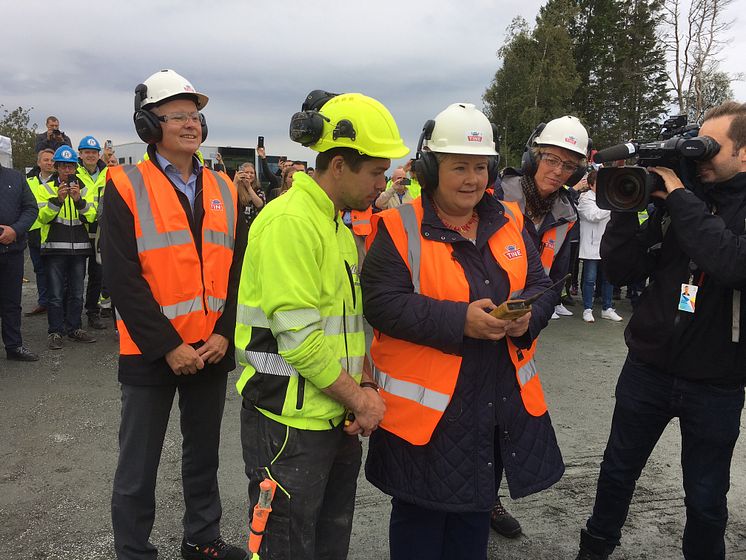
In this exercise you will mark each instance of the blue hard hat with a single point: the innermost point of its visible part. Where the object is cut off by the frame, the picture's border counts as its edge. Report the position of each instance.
(65, 154)
(89, 143)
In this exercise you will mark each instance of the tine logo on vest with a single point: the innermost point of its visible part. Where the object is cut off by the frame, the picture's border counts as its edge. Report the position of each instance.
(475, 136)
(549, 244)
(513, 252)
(215, 204)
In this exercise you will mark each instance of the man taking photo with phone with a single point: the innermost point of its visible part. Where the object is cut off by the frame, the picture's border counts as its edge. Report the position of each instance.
(398, 193)
(53, 138)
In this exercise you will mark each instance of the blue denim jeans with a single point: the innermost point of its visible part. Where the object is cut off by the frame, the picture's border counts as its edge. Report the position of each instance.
(709, 417)
(590, 275)
(65, 286)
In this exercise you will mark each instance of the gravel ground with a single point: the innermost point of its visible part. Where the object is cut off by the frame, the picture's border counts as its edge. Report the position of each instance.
(60, 417)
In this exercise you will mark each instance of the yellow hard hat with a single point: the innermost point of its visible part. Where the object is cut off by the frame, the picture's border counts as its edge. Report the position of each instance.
(354, 120)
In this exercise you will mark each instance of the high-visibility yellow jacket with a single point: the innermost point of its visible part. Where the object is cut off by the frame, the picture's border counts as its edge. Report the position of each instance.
(42, 192)
(97, 187)
(63, 230)
(299, 320)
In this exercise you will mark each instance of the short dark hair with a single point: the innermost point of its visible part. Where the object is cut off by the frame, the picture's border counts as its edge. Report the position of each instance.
(737, 130)
(352, 158)
(592, 177)
(51, 118)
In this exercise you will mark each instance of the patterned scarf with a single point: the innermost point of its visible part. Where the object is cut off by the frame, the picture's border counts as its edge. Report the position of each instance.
(536, 206)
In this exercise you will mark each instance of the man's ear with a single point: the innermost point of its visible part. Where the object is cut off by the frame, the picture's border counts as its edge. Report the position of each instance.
(337, 165)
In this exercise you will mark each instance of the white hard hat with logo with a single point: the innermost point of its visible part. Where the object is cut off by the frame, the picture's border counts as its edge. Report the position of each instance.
(565, 132)
(166, 84)
(461, 128)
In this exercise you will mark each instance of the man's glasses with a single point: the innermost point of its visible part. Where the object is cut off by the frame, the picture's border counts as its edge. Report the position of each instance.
(554, 162)
(180, 118)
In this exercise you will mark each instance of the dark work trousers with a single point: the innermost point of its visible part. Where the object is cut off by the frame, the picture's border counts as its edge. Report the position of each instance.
(709, 417)
(93, 289)
(318, 469)
(145, 413)
(11, 281)
(39, 271)
(66, 274)
(417, 533)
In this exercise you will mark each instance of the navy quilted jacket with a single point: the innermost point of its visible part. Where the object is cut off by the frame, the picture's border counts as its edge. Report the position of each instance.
(485, 425)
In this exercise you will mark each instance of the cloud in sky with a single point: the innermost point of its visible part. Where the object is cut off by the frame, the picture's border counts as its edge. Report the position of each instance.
(255, 60)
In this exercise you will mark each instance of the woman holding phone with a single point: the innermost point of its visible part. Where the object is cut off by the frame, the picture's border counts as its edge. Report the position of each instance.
(460, 385)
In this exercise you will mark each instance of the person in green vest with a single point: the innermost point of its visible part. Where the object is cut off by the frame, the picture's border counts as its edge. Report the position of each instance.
(306, 384)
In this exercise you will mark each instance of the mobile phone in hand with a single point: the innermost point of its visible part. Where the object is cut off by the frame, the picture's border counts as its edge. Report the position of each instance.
(260, 142)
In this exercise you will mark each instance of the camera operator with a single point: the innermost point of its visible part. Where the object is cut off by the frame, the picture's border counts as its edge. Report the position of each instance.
(686, 355)
(53, 138)
(398, 193)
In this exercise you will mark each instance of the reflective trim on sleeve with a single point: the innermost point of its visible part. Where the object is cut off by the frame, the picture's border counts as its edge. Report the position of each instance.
(334, 325)
(71, 222)
(182, 308)
(270, 364)
(411, 227)
(290, 340)
(88, 206)
(251, 316)
(411, 391)
(352, 364)
(294, 319)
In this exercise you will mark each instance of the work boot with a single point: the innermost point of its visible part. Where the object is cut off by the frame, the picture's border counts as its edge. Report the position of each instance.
(215, 549)
(21, 354)
(79, 335)
(95, 322)
(592, 547)
(504, 523)
(54, 341)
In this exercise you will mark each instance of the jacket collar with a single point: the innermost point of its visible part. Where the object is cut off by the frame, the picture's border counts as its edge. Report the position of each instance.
(489, 210)
(562, 210)
(320, 199)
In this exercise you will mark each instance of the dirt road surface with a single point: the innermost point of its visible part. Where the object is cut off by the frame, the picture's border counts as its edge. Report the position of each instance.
(58, 444)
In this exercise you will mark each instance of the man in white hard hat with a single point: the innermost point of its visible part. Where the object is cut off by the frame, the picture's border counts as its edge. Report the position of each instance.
(167, 244)
(554, 158)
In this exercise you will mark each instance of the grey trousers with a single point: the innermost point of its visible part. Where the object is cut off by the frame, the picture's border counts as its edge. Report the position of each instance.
(145, 414)
(318, 469)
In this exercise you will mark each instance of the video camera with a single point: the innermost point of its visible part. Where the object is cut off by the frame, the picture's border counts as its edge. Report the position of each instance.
(627, 188)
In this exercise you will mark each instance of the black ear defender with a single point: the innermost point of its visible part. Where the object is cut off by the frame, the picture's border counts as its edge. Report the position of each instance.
(307, 125)
(425, 164)
(147, 125)
(529, 163)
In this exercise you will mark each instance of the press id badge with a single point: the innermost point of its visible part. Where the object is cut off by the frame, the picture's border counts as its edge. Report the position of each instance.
(688, 298)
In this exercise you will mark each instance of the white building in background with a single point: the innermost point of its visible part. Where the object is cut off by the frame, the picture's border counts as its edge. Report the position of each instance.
(6, 152)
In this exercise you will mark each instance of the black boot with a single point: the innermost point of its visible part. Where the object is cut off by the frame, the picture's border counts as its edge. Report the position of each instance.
(95, 322)
(592, 547)
(504, 523)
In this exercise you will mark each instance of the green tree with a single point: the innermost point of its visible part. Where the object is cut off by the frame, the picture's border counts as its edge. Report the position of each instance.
(537, 77)
(15, 125)
(715, 88)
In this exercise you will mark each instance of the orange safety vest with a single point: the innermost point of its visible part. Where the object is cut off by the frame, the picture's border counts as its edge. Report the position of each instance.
(190, 292)
(361, 221)
(551, 243)
(417, 381)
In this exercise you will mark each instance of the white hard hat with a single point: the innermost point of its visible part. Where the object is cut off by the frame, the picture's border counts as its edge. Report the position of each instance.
(461, 129)
(166, 84)
(565, 132)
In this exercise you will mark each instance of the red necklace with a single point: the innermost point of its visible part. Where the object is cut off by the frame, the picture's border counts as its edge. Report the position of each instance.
(461, 229)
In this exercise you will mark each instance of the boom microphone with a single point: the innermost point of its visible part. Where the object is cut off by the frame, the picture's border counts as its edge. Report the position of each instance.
(620, 151)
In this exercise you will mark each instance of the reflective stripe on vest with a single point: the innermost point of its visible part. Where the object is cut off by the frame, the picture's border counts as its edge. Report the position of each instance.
(409, 373)
(361, 221)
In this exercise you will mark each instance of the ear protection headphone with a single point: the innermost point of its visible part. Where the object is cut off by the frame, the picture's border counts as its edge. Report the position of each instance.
(147, 125)
(426, 164)
(529, 162)
(307, 125)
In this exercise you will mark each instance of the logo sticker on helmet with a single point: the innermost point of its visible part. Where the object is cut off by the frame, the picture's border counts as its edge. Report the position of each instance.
(189, 88)
(67, 154)
(474, 136)
(91, 142)
(215, 204)
(571, 140)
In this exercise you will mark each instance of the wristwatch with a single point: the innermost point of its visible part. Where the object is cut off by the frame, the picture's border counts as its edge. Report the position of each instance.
(370, 385)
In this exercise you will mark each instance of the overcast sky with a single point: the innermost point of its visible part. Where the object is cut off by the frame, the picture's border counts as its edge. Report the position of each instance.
(257, 60)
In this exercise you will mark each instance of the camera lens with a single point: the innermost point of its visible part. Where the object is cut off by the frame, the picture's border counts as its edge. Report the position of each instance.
(626, 190)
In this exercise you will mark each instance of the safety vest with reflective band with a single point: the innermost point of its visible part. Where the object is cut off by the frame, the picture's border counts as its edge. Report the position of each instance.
(97, 187)
(63, 230)
(551, 243)
(42, 192)
(299, 319)
(190, 292)
(417, 381)
(361, 221)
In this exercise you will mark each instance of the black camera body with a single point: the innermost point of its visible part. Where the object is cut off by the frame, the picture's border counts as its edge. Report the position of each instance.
(628, 188)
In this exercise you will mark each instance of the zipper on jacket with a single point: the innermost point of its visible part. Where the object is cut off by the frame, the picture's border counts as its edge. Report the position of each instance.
(300, 393)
